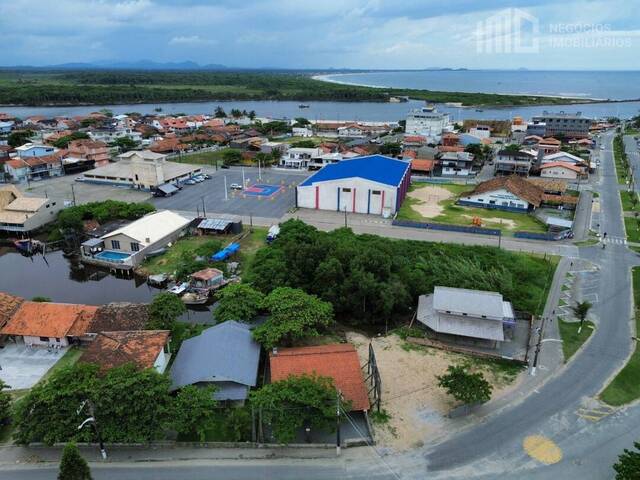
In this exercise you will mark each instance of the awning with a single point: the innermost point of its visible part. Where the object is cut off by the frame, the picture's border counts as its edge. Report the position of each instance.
(168, 188)
(93, 242)
(217, 224)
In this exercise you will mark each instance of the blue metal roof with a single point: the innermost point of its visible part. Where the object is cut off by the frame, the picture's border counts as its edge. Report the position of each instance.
(377, 168)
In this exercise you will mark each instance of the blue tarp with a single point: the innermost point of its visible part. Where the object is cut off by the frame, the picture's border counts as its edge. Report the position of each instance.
(225, 252)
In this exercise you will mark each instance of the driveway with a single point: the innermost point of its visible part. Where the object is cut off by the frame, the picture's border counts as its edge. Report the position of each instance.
(23, 367)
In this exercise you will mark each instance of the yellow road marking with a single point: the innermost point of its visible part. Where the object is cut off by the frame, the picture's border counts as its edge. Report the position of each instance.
(542, 449)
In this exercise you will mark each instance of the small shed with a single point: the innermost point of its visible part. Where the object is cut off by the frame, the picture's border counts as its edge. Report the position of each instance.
(214, 226)
(207, 278)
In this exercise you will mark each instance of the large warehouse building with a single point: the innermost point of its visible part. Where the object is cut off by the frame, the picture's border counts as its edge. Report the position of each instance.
(374, 184)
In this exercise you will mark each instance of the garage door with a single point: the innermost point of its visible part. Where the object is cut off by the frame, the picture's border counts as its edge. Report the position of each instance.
(346, 199)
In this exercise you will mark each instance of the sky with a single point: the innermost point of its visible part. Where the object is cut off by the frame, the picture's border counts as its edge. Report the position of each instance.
(319, 34)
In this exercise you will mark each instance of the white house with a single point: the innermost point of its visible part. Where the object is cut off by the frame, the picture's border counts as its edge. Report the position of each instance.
(564, 157)
(560, 170)
(19, 213)
(35, 150)
(373, 184)
(512, 193)
(481, 131)
(299, 157)
(427, 122)
(457, 164)
(301, 132)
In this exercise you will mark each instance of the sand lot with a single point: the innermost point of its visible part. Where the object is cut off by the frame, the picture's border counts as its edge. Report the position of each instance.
(410, 394)
(429, 200)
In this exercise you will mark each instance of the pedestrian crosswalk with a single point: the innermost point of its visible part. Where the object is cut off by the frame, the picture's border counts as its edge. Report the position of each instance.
(615, 240)
(595, 414)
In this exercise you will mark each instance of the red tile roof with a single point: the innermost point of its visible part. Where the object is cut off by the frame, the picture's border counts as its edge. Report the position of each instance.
(339, 362)
(422, 165)
(514, 184)
(112, 349)
(568, 166)
(54, 320)
(8, 306)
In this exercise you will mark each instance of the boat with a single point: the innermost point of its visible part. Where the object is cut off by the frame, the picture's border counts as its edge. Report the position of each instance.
(157, 280)
(28, 245)
(479, 110)
(304, 105)
(178, 288)
(195, 298)
(158, 252)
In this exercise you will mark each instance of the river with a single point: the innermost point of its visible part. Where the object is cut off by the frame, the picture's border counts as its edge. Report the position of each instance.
(66, 280)
(352, 111)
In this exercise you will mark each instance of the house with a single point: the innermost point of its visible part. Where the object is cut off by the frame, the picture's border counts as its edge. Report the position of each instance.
(6, 127)
(373, 184)
(301, 132)
(512, 193)
(34, 150)
(457, 164)
(480, 131)
(9, 305)
(549, 145)
(45, 166)
(414, 141)
(19, 213)
(561, 170)
(299, 157)
(128, 246)
(17, 170)
(225, 356)
(207, 279)
(467, 316)
(144, 170)
(422, 167)
(48, 324)
(427, 122)
(508, 162)
(119, 316)
(568, 125)
(564, 157)
(89, 150)
(339, 362)
(143, 348)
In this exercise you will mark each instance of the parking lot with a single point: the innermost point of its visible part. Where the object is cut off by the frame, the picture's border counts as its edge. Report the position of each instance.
(23, 367)
(270, 196)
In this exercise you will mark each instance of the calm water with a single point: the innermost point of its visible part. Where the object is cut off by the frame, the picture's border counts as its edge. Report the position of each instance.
(366, 111)
(600, 85)
(68, 281)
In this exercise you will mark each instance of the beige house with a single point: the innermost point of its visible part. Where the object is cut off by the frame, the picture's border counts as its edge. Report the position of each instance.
(561, 170)
(90, 150)
(141, 169)
(19, 213)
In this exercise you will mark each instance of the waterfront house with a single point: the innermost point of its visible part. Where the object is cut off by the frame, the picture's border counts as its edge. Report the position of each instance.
(9, 304)
(225, 356)
(143, 348)
(19, 213)
(207, 279)
(48, 324)
(128, 246)
(512, 193)
(35, 150)
(466, 316)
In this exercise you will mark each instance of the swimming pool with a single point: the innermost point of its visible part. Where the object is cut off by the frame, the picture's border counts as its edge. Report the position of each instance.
(111, 256)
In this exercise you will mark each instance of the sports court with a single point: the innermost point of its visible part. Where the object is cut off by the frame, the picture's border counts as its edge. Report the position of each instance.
(263, 190)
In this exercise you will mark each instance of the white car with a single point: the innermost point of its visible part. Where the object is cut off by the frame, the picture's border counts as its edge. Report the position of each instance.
(235, 186)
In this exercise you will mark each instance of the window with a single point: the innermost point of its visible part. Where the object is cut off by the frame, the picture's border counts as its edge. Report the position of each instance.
(375, 192)
(492, 202)
(44, 339)
(135, 247)
(57, 340)
(115, 244)
(346, 190)
(481, 199)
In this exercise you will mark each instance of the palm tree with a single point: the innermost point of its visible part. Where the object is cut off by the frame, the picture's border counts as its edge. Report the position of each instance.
(580, 310)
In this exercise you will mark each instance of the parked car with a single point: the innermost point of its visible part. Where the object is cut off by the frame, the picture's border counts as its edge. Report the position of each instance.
(235, 186)
(224, 166)
(190, 182)
(206, 176)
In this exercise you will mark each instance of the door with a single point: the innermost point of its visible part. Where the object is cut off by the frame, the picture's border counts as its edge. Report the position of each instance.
(346, 199)
(375, 202)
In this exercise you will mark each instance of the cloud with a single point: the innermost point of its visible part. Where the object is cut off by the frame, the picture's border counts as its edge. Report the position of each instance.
(192, 40)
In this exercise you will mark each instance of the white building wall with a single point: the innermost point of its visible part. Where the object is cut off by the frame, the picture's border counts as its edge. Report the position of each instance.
(501, 197)
(63, 342)
(559, 172)
(328, 196)
(161, 362)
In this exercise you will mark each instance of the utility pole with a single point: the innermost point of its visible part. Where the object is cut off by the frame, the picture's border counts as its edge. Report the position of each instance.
(500, 236)
(538, 345)
(204, 212)
(226, 195)
(345, 216)
(92, 419)
(338, 424)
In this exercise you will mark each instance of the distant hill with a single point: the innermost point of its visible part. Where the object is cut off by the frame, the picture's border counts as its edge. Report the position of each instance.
(138, 65)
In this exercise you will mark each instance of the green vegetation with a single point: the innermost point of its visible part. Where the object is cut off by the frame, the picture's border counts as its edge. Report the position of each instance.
(182, 331)
(73, 218)
(164, 311)
(202, 158)
(625, 386)
(466, 387)
(629, 201)
(194, 410)
(503, 371)
(621, 159)
(238, 302)
(72, 465)
(180, 253)
(632, 227)
(5, 403)
(571, 339)
(64, 141)
(370, 280)
(288, 405)
(628, 465)
(71, 356)
(458, 215)
(112, 87)
(41, 299)
(293, 316)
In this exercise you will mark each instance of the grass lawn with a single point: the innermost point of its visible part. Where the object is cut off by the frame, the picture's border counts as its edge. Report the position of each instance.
(202, 158)
(631, 227)
(458, 215)
(71, 356)
(627, 205)
(571, 341)
(625, 387)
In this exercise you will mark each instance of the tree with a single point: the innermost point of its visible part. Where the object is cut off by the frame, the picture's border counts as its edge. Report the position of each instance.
(628, 465)
(252, 115)
(124, 144)
(298, 401)
(464, 386)
(19, 137)
(235, 113)
(294, 315)
(581, 310)
(301, 122)
(304, 144)
(219, 112)
(164, 310)
(39, 298)
(5, 403)
(63, 142)
(194, 411)
(391, 149)
(512, 147)
(238, 302)
(72, 465)
(231, 156)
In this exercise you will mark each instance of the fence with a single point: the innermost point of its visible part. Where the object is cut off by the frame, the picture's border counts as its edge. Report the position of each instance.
(373, 378)
(448, 228)
(549, 237)
(443, 180)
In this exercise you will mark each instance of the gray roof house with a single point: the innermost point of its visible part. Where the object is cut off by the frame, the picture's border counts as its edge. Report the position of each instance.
(471, 314)
(225, 356)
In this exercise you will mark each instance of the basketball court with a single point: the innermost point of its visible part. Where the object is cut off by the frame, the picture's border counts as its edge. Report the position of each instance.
(262, 190)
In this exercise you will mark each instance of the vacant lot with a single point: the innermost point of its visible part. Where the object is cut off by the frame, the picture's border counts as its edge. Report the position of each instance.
(414, 406)
(438, 204)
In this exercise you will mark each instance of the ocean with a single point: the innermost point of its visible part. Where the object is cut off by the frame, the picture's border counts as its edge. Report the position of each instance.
(619, 85)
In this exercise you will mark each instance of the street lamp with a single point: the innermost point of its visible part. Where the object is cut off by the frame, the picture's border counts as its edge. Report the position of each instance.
(91, 420)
